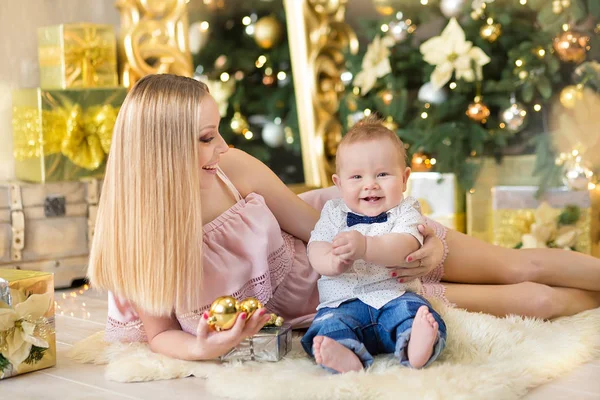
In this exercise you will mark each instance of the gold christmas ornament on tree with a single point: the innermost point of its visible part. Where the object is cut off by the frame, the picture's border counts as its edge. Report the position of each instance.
(384, 7)
(490, 31)
(570, 95)
(222, 313)
(386, 95)
(268, 32)
(238, 123)
(390, 123)
(558, 6)
(478, 111)
(421, 162)
(571, 46)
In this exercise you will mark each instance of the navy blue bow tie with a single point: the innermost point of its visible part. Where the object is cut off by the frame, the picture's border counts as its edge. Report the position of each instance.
(355, 219)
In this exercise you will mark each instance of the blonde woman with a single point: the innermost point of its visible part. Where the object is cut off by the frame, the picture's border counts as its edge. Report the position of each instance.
(183, 219)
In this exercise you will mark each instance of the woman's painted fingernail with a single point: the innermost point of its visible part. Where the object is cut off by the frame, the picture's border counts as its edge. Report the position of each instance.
(262, 312)
(243, 315)
(409, 259)
(401, 280)
(205, 315)
(394, 274)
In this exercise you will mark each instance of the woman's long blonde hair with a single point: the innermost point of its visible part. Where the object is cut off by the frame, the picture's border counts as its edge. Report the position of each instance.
(147, 246)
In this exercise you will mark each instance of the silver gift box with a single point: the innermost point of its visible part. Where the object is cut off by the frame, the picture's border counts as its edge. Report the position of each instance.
(269, 344)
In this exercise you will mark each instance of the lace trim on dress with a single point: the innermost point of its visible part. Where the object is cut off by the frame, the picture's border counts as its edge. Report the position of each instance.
(117, 331)
(281, 261)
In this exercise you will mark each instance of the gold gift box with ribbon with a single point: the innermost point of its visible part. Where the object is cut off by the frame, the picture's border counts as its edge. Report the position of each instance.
(77, 56)
(63, 135)
(513, 170)
(440, 198)
(27, 336)
(520, 219)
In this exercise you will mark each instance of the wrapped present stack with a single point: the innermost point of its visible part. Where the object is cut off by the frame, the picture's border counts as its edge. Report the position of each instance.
(512, 171)
(506, 208)
(27, 338)
(440, 198)
(62, 130)
(62, 133)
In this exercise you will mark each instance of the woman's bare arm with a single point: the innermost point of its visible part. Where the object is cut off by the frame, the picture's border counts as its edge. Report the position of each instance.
(166, 337)
(250, 175)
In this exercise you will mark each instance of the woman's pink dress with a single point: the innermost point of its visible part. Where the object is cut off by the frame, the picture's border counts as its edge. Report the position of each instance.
(245, 253)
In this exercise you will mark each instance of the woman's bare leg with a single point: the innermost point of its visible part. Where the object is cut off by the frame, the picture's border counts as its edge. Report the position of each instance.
(527, 299)
(471, 260)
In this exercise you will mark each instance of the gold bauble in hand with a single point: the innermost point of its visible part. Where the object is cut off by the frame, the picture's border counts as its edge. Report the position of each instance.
(222, 313)
(275, 320)
(249, 305)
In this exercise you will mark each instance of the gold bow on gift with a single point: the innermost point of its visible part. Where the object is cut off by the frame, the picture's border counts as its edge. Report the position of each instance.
(88, 135)
(82, 136)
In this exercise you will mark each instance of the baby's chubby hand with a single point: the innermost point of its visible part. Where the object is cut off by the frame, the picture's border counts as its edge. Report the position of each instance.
(350, 246)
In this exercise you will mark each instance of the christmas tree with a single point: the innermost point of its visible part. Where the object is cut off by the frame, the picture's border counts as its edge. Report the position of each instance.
(461, 79)
(243, 55)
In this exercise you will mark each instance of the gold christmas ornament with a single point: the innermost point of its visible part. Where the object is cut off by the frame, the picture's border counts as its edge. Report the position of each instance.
(238, 123)
(387, 96)
(421, 162)
(275, 320)
(490, 31)
(225, 309)
(390, 123)
(384, 7)
(268, 32)
(571, 46)
(478, 112)
(570, 95)
(223, 313)
(249, 305)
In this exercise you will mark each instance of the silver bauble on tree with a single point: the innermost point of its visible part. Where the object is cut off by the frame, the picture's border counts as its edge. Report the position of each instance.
(514, 117)
(273, 134)
(429, 94)
(452, 8)
(576, 175)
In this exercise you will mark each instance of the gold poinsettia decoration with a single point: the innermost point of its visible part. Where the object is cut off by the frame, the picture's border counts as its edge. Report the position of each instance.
(548, 231)
(451, 52)
(375, 64)
(23, 327)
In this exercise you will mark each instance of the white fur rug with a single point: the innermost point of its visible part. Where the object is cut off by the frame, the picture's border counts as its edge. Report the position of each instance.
(485, 358)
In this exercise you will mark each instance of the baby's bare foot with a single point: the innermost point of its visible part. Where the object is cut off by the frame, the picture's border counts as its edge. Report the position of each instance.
(331, 354)
(422, 337)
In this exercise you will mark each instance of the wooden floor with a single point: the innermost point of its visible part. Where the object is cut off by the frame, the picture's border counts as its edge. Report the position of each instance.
(81, 312)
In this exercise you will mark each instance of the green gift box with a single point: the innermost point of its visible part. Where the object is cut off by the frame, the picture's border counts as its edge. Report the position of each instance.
(63, 135)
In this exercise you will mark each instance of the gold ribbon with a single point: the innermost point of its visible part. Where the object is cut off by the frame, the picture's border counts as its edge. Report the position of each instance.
(88, 55)
(82, 136)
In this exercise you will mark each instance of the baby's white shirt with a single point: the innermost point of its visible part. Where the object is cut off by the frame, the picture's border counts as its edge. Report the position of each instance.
(370, 283)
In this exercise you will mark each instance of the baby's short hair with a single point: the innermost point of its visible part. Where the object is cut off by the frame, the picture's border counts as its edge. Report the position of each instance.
(370, 128)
